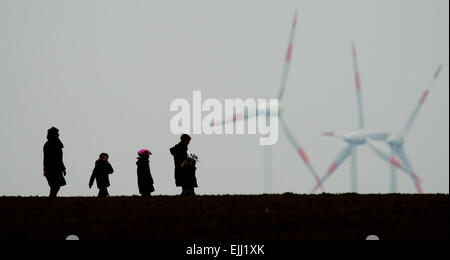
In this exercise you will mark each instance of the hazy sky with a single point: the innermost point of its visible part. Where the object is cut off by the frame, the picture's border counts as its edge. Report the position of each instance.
(105, 73)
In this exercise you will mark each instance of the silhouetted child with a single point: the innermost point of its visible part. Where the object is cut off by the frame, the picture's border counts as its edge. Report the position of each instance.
(189, 180)
(145, 180)
(101, 173)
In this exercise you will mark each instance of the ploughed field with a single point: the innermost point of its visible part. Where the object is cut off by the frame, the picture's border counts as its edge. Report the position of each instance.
(226, 217)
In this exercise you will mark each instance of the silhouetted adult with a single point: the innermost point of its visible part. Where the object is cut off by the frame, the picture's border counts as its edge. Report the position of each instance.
(145, 179)
(180, 155)
(54, 169)
(101, 173)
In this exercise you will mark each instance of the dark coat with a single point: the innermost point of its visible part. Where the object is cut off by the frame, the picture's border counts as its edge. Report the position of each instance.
(144, 175)
(54, 168)
(101, 173)
(188, 179)
(179, 153)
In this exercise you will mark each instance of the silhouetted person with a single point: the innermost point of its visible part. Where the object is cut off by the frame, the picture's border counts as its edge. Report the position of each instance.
(189, 180)
(145, 180)
(54, 169)
(180, 155)
(101, 173)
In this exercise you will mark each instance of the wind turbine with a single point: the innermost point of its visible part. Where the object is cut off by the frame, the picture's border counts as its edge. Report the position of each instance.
(359, 137)
(266, 111)
(396, 140)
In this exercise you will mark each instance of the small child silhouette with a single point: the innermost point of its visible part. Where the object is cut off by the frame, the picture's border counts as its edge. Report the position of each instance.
(189, 180)
(101, 173)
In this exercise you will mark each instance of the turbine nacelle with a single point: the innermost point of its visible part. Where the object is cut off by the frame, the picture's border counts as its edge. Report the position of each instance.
(395, 139)
(356, 137)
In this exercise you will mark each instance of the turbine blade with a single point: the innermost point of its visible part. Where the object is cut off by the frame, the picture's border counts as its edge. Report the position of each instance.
(394, 161)
(236, 117)
(384, 156)
(287, 62)
(301, 152)
(339, 160)
(422, 100)
(400, 152)
(331, 134)
(358, 87)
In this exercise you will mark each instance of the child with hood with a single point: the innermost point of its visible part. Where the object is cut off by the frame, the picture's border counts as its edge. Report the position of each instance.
(101, 173)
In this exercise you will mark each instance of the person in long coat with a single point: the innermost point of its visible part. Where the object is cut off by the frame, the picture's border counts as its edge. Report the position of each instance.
(144, 175)
(54, 168)
(101, 173)
(179, 153)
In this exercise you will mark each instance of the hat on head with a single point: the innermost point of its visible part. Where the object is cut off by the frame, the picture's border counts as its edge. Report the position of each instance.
(185, 137)
(53, 130)
(144, 152)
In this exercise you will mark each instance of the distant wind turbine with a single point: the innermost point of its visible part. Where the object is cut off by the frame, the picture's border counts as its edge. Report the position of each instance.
(264, 111)
(396, 140)
(360, 137)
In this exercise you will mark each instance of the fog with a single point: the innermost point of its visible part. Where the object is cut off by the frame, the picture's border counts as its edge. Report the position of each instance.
(105, 73)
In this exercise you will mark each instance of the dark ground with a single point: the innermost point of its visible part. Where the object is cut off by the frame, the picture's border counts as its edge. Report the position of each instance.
(263, 217)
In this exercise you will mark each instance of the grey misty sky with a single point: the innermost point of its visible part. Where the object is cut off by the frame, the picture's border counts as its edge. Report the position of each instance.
(105, 73)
